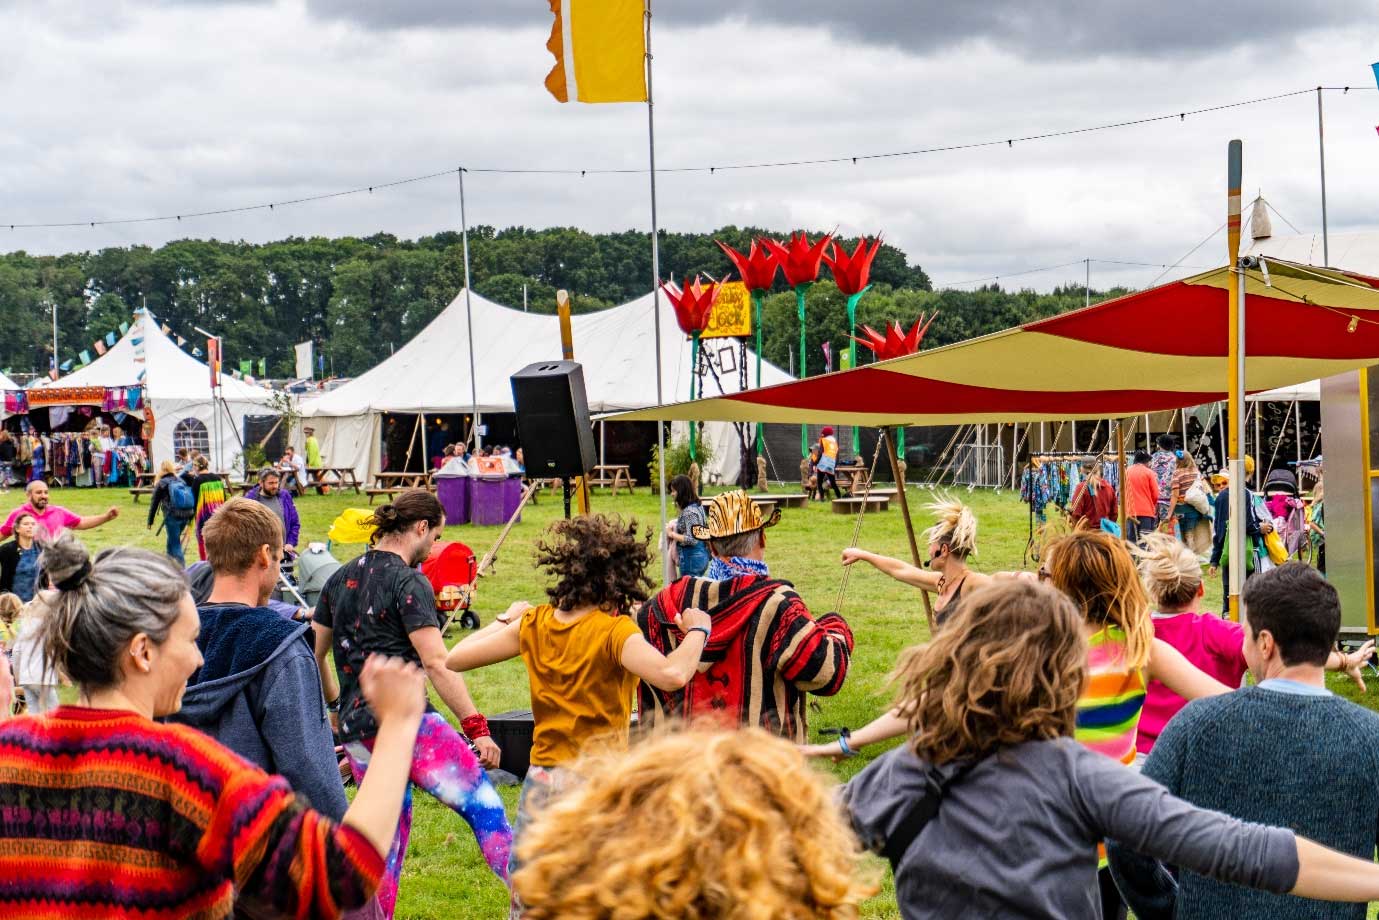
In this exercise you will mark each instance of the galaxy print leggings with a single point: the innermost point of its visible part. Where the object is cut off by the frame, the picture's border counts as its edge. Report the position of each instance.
(444, 766)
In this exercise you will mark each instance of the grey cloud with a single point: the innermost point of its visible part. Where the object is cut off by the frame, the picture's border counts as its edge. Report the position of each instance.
(1033, 29)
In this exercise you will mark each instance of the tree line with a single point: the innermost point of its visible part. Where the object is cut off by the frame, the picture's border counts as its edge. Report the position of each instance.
(358, 298)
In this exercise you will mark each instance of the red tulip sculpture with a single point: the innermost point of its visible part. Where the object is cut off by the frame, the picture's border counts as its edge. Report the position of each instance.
(693, 305)
(799, 261)
(852, 274)
(896, 342)
(757, 269)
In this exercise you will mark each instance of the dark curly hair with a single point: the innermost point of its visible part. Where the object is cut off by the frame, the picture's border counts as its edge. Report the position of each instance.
(597, 560)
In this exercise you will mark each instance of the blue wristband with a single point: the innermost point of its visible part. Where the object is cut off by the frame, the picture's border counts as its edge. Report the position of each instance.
(708, 633)
(843, 743)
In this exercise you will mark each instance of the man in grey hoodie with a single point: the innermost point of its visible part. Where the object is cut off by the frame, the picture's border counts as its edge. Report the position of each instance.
(259, 691)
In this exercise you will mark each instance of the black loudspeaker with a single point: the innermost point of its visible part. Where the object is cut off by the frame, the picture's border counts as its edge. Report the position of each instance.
(553, 419)
(512, 732)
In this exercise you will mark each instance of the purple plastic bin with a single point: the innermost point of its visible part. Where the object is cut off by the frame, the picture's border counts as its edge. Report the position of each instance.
(486, 502)
(453, 492)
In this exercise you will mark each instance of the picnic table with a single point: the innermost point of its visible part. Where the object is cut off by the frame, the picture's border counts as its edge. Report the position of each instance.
(344, 477)
(611, 474)
(853, 477)
(393, 483)
(143, 485)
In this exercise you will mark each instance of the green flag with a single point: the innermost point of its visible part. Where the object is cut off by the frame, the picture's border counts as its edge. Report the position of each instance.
(263, 367)
(246, 366)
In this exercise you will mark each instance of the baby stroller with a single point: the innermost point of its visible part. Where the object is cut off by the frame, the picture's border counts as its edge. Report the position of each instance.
(314, 568)
(1288, 513)
(452, 570)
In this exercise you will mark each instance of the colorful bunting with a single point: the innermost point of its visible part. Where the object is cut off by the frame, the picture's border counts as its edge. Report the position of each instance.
(124, 327)
(84, 357)
(110, 339)
(99, 346)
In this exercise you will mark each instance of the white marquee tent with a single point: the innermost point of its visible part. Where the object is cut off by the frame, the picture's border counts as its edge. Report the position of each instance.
(6, 384)
(431, 374)
(178, 387)
(1356, 250)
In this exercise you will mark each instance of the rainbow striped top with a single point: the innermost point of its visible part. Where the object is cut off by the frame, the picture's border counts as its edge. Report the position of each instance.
(104, 814)
(1108, 715)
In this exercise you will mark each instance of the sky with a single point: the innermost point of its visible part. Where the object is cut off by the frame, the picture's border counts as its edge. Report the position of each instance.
(120, 109)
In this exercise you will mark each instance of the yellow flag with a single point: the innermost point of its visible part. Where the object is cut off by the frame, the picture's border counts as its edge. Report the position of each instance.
(600, 51)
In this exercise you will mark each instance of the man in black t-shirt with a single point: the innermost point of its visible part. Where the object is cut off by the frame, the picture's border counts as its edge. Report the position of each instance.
(379, 604)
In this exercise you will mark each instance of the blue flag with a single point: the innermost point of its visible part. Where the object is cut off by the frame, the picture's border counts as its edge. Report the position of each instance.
(1375, 67)
(85, 358)
(124, 327)
(110, 339)
(67, 365)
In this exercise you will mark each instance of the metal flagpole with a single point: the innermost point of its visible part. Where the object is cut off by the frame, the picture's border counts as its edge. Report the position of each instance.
(1321, 157)
(666, 566)
(1236, 389)
(469, 321)
(53, 304)
(1087, 287)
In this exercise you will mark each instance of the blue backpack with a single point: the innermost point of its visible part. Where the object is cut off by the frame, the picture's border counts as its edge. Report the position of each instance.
(181, 500)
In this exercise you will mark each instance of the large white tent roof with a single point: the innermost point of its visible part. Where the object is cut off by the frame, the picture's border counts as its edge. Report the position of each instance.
(1357, 250)
(615, 346)
(8, 384)
(171, 373)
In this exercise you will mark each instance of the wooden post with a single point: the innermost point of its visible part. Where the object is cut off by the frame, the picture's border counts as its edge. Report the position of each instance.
(889, 435)
(1120, 479)
(567, 351)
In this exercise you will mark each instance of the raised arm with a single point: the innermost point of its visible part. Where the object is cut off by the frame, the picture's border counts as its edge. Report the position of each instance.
(673, 671)
(900, 571)
(484, 648)
(96, 520)
(1168, 666)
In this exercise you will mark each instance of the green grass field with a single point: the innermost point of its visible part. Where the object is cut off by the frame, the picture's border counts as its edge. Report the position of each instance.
(444, 875)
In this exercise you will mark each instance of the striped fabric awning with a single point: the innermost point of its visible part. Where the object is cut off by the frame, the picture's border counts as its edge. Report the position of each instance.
(1156, 350)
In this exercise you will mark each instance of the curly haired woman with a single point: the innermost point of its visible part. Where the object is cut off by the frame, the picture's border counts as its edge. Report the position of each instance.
(1012, 807)
(710, 825)
(583, 653)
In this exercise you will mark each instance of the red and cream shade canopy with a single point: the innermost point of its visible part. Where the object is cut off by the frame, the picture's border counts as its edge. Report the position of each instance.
(1160, 349)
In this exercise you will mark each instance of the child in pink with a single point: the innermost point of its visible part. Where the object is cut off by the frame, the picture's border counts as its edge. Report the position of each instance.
(1173, 577)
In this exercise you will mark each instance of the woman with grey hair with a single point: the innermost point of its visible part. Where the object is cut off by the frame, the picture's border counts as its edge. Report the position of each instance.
(132, 816)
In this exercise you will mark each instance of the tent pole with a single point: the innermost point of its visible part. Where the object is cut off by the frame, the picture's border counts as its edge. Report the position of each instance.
(1297, 428)
(1236, 378)
(1120, 477)
(1321, 159)
(412, 441)
(1259, 441)
(469, 319)
(666, 565)
(889, 435)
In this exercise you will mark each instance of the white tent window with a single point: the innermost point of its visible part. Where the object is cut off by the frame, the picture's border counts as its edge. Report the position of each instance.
(191, 434)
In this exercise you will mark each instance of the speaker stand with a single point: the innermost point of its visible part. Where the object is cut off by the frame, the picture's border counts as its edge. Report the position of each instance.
(565, 487)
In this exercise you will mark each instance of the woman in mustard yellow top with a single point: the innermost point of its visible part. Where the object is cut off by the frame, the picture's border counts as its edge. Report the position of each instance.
(583, 652)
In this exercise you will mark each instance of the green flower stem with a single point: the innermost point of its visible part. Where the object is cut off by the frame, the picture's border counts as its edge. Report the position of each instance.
(852, 356)
(758, 297)
(801, 291)
(694, 377)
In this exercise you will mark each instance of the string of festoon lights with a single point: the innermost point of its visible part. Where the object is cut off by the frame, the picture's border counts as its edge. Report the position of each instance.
(854, 159)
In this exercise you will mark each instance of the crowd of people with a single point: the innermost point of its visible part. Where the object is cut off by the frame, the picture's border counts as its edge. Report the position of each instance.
(1076, 739)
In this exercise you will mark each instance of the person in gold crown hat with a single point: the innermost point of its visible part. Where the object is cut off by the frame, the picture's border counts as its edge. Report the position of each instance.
(766, 651)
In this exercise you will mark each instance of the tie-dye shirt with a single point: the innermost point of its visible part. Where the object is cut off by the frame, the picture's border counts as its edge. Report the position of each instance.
(1108, 715)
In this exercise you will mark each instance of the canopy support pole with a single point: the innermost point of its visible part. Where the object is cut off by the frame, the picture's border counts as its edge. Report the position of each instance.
(888, 434)
(469, 321)
(1297, 428)
(667, 567)
(1120, 477)
(1236, 375)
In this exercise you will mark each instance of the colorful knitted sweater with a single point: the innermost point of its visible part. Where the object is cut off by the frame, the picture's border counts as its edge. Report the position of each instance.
(106, 814)
(765, 654)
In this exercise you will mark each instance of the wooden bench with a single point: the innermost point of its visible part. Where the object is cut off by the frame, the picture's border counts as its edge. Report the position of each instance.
(612, 474)
(765, 507)
(143, 485)
(781, 499)
(853, 505)
(393, 483)
(344, 478)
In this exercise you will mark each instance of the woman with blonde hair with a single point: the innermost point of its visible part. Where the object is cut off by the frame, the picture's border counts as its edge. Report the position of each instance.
(951, 540)
(994, 701)
(1189, 503)
(1172, 576)
(714, 825)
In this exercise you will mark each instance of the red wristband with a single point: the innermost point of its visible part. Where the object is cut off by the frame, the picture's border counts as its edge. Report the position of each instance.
(475, 726)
